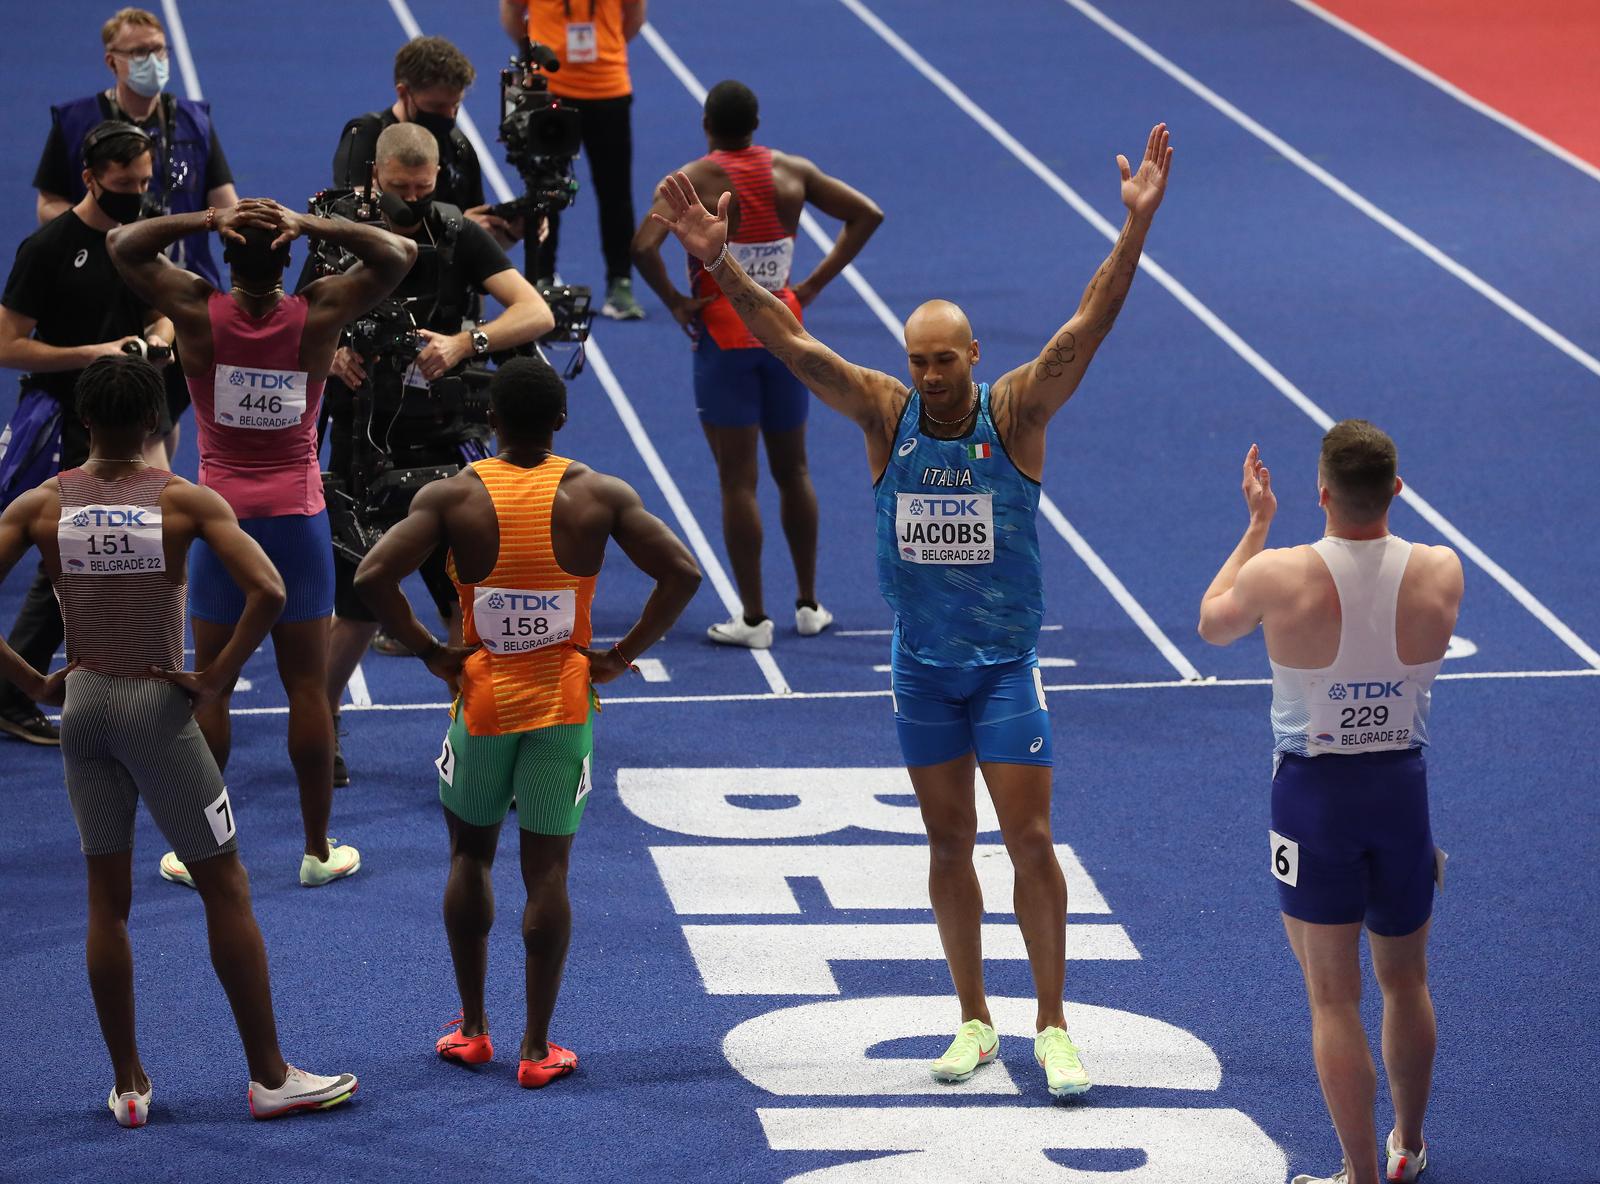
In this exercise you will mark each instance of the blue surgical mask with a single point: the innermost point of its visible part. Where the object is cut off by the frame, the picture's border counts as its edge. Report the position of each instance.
(147, 75)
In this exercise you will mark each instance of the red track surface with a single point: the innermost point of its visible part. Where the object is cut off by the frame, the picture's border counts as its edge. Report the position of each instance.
(1537, 61)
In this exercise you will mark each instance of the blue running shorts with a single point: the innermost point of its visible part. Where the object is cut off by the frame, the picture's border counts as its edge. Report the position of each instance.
(299, 546)
(1351, 840)
(736, 388)
(941, 712)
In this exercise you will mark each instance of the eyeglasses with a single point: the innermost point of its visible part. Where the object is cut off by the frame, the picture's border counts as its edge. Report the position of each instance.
(159, 52)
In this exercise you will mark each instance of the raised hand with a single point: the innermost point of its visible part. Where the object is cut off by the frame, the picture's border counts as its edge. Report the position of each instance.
(1258, 495)
(702, 234)
(1142, 191)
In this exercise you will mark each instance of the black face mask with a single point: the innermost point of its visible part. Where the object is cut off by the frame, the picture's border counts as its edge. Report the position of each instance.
(406, 213)
(120, 207)
(439, 125)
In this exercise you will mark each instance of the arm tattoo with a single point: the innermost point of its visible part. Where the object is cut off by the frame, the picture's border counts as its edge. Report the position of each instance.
(1057, 356)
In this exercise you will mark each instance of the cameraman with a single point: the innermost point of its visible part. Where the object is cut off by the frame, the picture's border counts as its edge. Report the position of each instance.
(411, 425)
(431, 77)
(590, 40)
(64, 306)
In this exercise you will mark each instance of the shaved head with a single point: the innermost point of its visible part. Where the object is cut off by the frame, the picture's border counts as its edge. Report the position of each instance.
(941, 352)
(938, 323)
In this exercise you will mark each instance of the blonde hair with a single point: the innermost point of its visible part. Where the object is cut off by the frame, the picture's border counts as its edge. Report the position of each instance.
(128, 16)
(409, 145)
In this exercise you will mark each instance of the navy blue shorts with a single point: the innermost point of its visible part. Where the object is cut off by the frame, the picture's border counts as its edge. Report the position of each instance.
(299, 546)
(942, 712)
(737, 388)
(1351, 840)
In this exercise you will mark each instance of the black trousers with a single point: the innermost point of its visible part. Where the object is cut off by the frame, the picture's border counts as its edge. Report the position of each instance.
(608, 143)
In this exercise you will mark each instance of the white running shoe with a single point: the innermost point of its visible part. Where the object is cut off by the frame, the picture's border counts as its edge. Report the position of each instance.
(735, 632)
(809, 622)
(132, 1108)
(1404, 1165)
(1342, 1176)
(343, 860)
(300, 1091)
(172, 869)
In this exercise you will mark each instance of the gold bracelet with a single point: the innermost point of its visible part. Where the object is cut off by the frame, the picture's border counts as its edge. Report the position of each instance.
(211, 218)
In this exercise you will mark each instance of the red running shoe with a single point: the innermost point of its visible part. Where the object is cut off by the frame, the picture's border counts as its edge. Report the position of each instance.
(537, 1074)
(464, 1050)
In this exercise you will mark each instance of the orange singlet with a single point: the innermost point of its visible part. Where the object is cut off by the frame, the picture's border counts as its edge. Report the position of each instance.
(529, 614)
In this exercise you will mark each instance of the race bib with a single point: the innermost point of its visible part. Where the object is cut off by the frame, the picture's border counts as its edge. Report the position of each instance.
(446, 764)
(584, 783)
(1285, 858)
(1359, 716)
(266, 400)
(512, 621)
(943, 528)
(582, 46)
(768, 264)
(111, 540)
(220, 815)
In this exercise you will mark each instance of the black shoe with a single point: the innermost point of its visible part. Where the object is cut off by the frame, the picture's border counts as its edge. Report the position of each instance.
(35, 729)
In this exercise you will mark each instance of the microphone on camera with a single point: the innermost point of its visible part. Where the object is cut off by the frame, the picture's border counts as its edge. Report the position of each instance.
(540, 55)
(399, 213)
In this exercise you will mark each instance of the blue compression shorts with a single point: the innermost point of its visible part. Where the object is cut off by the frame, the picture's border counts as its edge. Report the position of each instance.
(738, 388)
(1352, 833)
(942, 712)
(299, 546)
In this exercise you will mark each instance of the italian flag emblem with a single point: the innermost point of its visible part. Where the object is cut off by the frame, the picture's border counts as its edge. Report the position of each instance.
(978, 452)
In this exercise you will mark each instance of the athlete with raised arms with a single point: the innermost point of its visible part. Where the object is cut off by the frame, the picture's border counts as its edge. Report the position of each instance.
(1356, 626)
(256, 362)
(957, 465)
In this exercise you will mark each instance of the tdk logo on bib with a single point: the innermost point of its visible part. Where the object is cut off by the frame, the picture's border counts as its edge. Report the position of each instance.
(110, 519)
(1366, 690)
(265, 380)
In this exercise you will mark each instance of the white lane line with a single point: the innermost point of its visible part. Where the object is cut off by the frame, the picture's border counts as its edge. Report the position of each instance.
(1052, 513)
(1304, 163)
(796, 696)
(1451, 89)
(624, 408)
(360, 694)
(890, 632)
(180, 44)
(1215, 323)
(653, 670)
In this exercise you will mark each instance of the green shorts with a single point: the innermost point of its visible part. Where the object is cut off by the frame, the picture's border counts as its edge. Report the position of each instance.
(545, 771)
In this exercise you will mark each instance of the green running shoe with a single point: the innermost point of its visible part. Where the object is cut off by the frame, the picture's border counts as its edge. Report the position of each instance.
(620, 304)
(1063, 1071)
(976, 1043)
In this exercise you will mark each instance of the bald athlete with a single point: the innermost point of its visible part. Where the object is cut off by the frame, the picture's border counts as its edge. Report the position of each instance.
(957, 468)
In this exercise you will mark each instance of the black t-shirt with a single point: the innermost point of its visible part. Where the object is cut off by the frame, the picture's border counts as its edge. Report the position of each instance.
(477, 257)
(63, 280)
(460, 175)
(56, 171)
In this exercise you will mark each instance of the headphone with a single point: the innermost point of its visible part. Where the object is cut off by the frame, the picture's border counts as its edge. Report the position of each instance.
(111, 130)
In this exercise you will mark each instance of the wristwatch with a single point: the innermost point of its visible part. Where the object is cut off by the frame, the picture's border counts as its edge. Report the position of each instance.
(480, 343)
